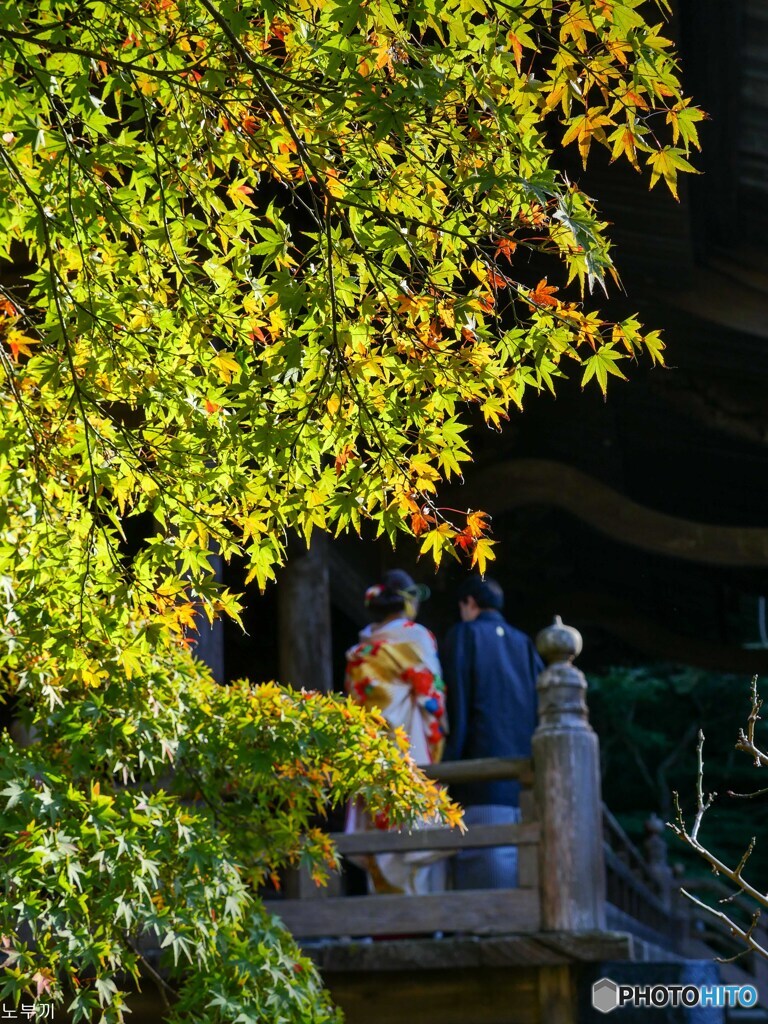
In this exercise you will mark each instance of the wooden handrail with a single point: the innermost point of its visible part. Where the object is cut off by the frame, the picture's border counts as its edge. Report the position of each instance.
(484, 769)
(628, 847)
(436, 839)
(615, 865)
(479, 912)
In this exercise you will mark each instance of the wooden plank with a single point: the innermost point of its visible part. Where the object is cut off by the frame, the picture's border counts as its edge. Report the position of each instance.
(436, 839)
(470, 996)
(527, 805)
(611, 824)
(477, 951)
(618, 920)
(482, 912)
(587, 947)
(484, 769)
(304, 616)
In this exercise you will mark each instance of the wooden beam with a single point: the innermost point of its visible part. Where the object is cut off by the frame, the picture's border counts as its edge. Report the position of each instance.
(486, 912)
(436, 839)
(536, 949)
(566, 753)
(519, 482)
(482, 769)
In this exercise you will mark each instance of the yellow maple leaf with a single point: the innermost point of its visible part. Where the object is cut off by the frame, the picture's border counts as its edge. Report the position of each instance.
(483, 553)
(227, 366)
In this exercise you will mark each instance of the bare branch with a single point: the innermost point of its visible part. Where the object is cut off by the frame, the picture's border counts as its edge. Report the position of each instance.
(702, 806)
(745, 935)
(746, 742)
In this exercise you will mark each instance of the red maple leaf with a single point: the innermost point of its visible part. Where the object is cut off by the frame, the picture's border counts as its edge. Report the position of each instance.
(465, 540)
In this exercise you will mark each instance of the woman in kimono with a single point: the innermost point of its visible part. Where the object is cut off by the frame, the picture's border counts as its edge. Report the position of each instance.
(394, 667)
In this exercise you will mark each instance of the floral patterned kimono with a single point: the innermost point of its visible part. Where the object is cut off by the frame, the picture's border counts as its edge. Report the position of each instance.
(395, 669)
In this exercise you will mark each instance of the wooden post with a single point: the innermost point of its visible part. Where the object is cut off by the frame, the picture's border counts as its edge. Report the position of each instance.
(567, 788)
(304, 616)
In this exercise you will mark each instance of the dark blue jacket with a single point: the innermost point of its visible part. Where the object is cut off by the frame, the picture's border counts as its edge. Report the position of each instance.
(490, 671)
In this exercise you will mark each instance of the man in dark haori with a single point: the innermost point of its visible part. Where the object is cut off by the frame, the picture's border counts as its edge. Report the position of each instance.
(490, 671)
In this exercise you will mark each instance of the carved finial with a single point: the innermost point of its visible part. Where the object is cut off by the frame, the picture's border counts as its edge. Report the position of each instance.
(558, 643)
(655, 843)
(656, 855)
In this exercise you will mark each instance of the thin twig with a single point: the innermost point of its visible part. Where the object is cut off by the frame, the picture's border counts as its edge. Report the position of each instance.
(745, 936)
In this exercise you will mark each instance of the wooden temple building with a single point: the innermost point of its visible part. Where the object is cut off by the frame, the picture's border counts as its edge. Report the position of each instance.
(642, 521)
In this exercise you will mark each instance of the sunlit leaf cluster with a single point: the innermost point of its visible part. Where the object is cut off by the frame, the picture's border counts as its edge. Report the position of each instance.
(271, 256)
(148, 814)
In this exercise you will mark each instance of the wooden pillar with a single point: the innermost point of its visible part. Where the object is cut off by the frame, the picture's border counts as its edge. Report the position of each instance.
(304, 617)
(566, 764)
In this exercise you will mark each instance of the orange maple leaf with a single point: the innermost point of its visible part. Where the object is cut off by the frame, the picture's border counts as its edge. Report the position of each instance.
(636, 99)
(419, 523)
(477, 523)
(542, 294)
(343, 458)
(505, 248)
(239, 192)
(517, 49)
(431, 334)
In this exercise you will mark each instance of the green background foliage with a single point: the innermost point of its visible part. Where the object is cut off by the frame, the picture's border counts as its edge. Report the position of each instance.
(648, 719)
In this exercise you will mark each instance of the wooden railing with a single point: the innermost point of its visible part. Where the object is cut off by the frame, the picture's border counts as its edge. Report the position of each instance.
(319, 912)
(636, 887)
(560, 862)
(578, 871)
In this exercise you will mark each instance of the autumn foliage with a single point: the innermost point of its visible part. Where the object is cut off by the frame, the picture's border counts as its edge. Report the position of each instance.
(262, 265)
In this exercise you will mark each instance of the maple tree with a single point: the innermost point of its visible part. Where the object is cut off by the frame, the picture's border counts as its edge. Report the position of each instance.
(262, 262)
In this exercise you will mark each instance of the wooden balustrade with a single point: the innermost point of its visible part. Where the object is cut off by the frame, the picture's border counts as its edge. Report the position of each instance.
(560, 862)
(637, 886)
(577, 867)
